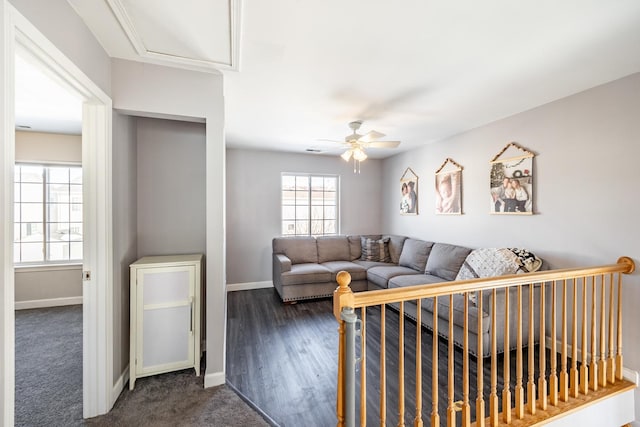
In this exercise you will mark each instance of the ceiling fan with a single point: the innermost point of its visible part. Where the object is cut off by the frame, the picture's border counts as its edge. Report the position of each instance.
(357, 143)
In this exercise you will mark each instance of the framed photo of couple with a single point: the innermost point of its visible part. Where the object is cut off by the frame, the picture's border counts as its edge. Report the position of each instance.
(511, 182)
(409, 193)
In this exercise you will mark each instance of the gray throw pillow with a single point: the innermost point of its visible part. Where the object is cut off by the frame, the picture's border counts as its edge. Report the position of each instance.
(375, 250)
(414, 254)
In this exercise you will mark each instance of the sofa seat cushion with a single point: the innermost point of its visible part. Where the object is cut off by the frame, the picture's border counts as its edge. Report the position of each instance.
(357, 272)
(413, 280)
(380, 275)
(306, 273)
(445, 260)
(369, 264)
(333, 248)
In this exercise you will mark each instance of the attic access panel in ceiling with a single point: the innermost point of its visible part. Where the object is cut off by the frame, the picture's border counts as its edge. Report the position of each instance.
(189, 32)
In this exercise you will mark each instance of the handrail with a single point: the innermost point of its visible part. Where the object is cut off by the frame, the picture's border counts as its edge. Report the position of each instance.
(344, 298)
(594, 331)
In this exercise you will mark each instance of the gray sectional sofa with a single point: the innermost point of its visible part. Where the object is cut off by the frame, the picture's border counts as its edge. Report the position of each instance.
(306, 267)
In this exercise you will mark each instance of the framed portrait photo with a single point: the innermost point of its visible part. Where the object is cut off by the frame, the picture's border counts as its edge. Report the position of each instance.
(409, 193)
(448, 188)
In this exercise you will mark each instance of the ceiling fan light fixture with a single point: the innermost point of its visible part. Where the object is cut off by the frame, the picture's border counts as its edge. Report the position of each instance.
(359, 154)
(347, 154)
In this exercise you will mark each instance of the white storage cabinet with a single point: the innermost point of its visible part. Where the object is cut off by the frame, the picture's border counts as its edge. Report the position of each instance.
(165, 315)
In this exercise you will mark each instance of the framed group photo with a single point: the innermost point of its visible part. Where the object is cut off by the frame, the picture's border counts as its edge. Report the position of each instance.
(511, 181)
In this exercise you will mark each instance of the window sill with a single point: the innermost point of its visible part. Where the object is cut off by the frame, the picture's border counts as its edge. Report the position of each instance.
(47, 267)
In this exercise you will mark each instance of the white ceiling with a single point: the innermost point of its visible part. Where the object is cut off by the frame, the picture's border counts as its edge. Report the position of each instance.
(418, 70)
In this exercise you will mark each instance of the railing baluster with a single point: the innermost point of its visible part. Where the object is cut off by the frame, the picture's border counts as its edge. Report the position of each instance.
(611, 373)
(493, 396)
(401, 366)
(531, 385)
(506, 370)
(519, 389)
(435, 416)
(363, 367)
(593, 366)
(451, 410)
(602, 365)
(553, 376)
(619, 366)
(466, 409)
(564, 375)
(542, 376)
(584, 377)
(574, 377)
(417, 421)
(383, 366)
(480, 368)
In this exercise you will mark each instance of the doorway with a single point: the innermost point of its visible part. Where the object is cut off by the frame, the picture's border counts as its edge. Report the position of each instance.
(97, 295)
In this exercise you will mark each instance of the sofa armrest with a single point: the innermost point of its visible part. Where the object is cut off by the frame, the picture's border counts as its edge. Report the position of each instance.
(281, 264)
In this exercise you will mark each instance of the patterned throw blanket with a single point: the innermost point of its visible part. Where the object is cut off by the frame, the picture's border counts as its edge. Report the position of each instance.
(492, 262)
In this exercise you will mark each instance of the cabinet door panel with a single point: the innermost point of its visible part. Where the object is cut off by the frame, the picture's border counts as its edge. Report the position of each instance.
(166, 285)
(167, 336)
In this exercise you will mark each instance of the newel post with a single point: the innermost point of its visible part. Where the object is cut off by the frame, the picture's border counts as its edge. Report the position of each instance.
(342, 297)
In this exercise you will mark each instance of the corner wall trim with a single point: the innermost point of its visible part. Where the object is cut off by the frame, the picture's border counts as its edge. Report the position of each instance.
(214, 379)
(249, 285)
(51, 302)
(119, 385)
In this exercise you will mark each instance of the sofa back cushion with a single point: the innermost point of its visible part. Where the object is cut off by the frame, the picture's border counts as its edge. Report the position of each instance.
(299, 249)
(414, 254)
(333, 248)
(395, 246)
(445, 260)
(355, 247)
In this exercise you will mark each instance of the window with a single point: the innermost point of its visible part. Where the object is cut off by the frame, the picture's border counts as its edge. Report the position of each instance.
(309, 205)
(48, 214)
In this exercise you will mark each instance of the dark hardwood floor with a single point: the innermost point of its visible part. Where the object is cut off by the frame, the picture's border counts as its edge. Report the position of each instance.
(283, 358)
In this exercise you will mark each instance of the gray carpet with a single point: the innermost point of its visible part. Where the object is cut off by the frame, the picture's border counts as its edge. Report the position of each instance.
(49, 384)
(49, 366)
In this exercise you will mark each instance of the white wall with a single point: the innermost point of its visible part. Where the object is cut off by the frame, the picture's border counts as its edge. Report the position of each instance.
(55, 285)
(125, 243)
(145, 89)
(171, 187)
(254, 210)
(586, 178)
(57, 20)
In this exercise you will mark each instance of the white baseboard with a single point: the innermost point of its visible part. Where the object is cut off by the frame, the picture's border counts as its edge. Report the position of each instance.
(51, 302)
(119, 386)
(214, 379)
(249, 285)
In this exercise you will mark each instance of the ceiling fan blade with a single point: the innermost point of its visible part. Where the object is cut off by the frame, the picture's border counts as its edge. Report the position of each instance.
(370, 136)
(383, 144)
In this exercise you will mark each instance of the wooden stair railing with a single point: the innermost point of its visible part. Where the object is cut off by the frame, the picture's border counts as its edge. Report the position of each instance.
(581, 366)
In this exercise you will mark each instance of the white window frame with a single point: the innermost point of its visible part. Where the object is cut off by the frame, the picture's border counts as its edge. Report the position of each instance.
(309, 218)
(45, 219)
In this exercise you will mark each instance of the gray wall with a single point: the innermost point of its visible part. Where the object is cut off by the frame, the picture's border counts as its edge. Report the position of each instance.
(586, 178)
(171, 187)
(125, 243)
(253, 204)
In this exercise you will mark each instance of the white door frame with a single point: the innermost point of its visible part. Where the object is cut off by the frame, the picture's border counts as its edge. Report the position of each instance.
(97, 193)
